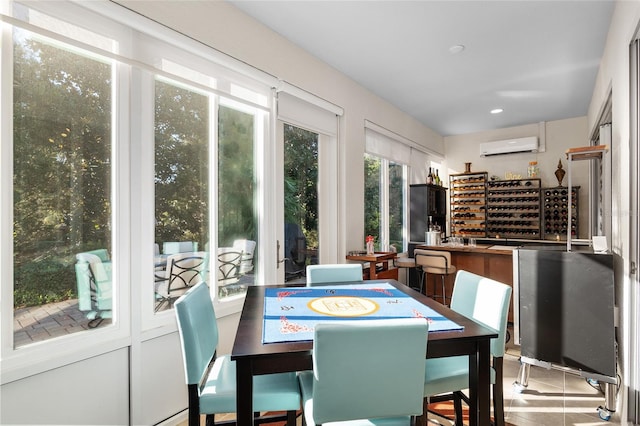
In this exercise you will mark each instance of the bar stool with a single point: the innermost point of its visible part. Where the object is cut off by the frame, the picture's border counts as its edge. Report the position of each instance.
(405, 262)
(434, 262)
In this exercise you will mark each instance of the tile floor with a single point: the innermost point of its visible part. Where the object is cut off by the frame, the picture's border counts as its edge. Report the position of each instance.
(553, 398)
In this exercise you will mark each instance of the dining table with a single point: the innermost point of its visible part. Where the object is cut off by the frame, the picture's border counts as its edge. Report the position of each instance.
(253, 357)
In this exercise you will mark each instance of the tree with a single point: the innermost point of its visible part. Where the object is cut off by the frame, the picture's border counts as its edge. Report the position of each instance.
(62, 165)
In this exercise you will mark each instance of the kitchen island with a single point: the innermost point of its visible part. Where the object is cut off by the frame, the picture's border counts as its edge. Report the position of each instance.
(491, 261)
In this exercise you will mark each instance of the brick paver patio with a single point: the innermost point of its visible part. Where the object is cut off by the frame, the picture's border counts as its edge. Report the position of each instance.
(44, 322)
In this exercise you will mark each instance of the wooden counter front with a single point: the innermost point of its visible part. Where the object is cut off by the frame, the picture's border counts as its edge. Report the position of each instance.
(495, 263)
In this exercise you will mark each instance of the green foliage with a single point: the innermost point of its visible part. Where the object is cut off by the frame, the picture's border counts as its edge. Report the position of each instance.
(181, 164)
(62, 152)
(301, 181)
(372, 198)
(62, 166)
(236, 182)
(44, 280)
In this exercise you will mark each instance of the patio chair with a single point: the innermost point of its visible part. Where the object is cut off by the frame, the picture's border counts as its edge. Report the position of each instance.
(247, 247)
(229, 266)
(184, 270)
(173, 247)
(93, 281)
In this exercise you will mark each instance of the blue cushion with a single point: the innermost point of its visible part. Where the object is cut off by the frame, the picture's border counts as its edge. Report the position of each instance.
(270, 392)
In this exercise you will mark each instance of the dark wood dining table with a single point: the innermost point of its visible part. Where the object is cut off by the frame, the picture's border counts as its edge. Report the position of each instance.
(253, 358)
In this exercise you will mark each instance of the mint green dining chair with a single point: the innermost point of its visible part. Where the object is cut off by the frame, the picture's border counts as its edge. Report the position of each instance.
(211, 379)
(333, 273)
(487, 302)
(366, 370)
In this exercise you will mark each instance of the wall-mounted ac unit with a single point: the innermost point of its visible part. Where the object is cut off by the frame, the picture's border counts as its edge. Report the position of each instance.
(509, 146)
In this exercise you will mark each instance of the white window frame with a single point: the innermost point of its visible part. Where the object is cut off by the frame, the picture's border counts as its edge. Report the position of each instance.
(132, 232)
(32, 359)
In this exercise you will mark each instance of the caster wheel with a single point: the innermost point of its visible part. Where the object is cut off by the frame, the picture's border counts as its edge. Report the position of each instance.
(604, 414)
(518, 387)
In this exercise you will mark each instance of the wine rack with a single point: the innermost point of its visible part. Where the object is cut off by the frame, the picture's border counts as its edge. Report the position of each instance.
(513, 209)
(467, 194)
(557, 218)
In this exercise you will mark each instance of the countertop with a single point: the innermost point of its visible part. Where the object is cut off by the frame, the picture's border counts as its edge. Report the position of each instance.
(479, 248)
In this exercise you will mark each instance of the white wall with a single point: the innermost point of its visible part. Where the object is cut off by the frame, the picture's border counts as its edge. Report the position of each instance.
(71, 395)
(613, 77)
(558, 135)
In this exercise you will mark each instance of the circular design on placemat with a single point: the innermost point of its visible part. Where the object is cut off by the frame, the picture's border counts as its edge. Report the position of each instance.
(343, 306)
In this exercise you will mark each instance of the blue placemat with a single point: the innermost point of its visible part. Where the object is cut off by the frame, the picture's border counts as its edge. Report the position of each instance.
(290, 314)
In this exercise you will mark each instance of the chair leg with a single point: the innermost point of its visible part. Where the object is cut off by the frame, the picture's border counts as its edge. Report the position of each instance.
(457, 406)
(498, 392)
(422, 280)
(422, 419)
(194, 405)
(210, 420)
(444, 292)
(291, 418)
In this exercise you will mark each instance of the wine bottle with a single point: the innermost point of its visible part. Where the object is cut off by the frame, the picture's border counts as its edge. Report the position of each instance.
(430, 177)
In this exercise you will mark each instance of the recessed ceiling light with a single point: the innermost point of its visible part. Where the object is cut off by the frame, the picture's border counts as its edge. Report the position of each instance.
(456, 49)
(496, 111)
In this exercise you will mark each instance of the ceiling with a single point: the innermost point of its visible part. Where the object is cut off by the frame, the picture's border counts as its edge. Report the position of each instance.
(537, 60)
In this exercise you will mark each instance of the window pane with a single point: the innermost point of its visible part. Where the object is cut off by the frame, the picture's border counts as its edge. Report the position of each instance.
(237, 223)
(181, 190)
(396, 206)
(61, 190)
(300, 200)
(372, 198)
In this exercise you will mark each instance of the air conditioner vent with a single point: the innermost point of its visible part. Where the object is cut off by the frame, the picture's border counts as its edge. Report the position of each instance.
(509, 146)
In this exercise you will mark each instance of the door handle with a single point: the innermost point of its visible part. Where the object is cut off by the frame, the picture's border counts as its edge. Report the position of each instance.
(278, 260)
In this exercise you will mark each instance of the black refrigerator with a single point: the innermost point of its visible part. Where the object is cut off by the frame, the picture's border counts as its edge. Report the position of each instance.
(426, 200)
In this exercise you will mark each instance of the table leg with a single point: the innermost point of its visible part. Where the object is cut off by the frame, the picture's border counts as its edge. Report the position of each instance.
(480, 385)
(244, 389)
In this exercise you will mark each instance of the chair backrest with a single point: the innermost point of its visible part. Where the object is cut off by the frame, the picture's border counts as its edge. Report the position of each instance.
(229, 262)
(198, 331)
(432, 258)
(185, 270)
(369, 369)
(93, 280)
(486, 301)
(173, 247)
(247, 247)
(333, 273)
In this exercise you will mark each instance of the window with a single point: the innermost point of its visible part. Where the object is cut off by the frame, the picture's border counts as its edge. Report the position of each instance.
(385, 203)
(62, 191)
(237, 193)
(181, 190)
(301, 214)
(387, 161)
(196, 127)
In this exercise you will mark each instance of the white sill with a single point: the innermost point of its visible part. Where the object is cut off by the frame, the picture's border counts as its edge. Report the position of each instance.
(229, 305)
